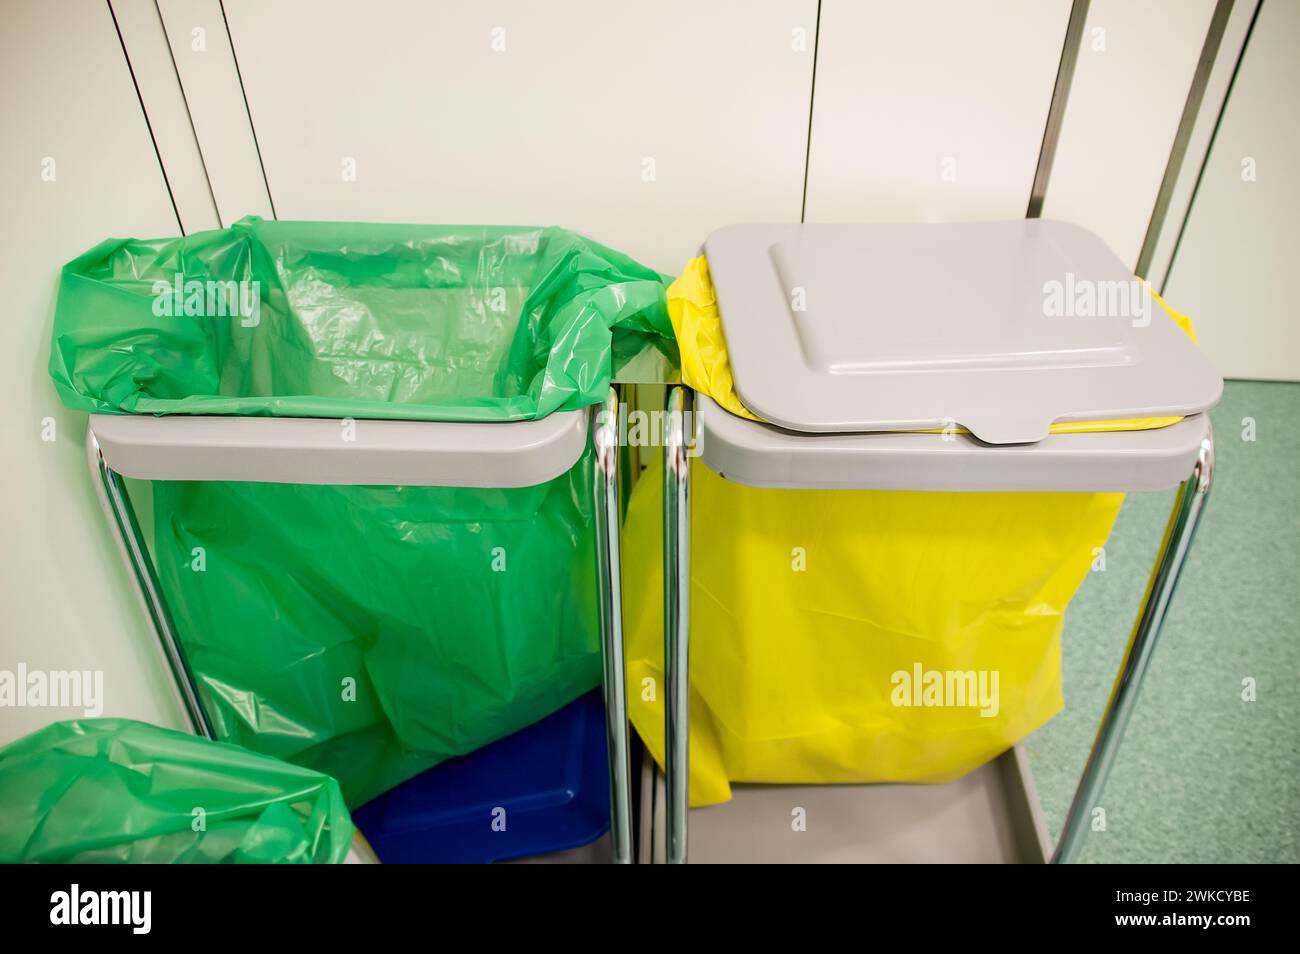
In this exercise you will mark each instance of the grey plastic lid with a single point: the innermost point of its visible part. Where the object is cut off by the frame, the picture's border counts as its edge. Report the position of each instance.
(998, 327)
(761, 455)
(298, 450)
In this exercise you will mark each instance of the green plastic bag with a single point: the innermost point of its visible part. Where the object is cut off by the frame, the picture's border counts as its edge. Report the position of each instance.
(115, 790)
(327, 319)
(367, 632)
(371, 632)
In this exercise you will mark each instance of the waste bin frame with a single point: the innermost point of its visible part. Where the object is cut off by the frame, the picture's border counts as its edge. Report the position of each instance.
(423, 453)
(1190, 499)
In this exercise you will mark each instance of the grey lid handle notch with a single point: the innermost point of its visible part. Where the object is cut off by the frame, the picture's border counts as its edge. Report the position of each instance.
(1009, 427)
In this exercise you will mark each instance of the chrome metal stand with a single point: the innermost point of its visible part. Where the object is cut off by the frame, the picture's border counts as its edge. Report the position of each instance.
(1189, 504)
(116, 503)
(677, 619)
(608, 519)
(111, 490)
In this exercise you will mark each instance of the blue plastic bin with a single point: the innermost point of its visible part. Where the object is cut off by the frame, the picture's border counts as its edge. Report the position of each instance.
(552, 780)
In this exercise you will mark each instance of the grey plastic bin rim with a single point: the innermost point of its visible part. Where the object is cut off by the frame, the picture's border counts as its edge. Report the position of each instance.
(762, 455)
(908, 326)
(315, 451)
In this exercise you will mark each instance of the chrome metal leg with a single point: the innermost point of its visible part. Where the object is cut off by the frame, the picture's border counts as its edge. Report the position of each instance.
(113, 498)
(1188, 506)
(677, 619)
(604, 436)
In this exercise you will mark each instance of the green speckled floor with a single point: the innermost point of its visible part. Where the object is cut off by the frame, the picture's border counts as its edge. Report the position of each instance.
(1202, 776)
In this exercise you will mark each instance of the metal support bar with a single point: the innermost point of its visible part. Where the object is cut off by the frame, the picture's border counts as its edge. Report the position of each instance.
(608, 518)
(1191, 111)
(116, 503)
(1189, 504)
(1056, 111)
(677, 619)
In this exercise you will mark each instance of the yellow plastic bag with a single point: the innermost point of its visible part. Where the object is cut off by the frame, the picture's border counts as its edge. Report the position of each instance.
(806, 605)
(852, 636)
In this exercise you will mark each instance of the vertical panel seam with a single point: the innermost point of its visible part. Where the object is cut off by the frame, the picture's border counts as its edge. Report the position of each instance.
(1182, 138)
(198, 145)
(145, 113)
(1209, 147)
(247, 109)
(812, 99)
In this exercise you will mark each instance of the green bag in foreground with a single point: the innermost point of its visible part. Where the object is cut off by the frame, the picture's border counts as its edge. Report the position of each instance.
(116, 790)
(372, 632)
(332, 319)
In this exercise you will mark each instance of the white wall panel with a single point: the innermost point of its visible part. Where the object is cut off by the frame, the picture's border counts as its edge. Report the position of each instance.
(1130, 86)
(1235, 271)
(533, 113)
(77, 167)
(209, 75)
(931, 111)
(150, 57)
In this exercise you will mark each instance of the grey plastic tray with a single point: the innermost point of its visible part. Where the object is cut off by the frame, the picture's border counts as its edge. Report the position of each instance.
(297, 450)
(761, 455)
(846, 328)
(989, 815)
